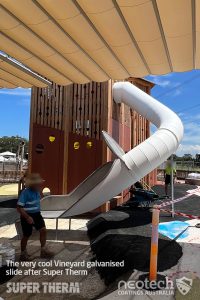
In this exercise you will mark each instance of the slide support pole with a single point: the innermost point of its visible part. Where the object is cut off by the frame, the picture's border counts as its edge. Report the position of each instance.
(154, 245)
(172, 184)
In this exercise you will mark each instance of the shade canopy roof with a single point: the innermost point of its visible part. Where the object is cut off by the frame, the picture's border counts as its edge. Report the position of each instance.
(13, 74)
(82, 40)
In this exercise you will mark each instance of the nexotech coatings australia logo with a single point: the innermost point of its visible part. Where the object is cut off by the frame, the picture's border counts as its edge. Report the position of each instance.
(184, 285)
(167, 287)
(140, 287)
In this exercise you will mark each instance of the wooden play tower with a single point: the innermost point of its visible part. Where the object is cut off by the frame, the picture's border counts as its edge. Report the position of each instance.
(65, 131)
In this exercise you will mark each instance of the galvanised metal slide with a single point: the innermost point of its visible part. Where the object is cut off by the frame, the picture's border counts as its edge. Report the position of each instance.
(113, 177)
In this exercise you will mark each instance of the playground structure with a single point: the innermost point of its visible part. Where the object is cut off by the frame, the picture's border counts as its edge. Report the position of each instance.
(112, 178)
(109, 180)
(66, 143)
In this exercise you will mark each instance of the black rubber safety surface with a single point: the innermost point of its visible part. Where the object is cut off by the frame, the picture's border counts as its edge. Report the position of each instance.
(190, 205)
(3, 276)
(129, 240)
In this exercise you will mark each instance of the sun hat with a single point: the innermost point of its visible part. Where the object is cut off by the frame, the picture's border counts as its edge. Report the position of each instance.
(32, 179)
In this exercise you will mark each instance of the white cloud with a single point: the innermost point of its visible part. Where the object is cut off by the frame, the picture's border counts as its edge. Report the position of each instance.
(16, 92)
(24, 101)
(167, 82)
(181, 115)
(187, 148)
(191, 140)
(169, 86)
(159, 80)
(176, 92)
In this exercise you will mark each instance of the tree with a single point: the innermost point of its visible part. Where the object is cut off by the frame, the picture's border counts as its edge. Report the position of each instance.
(12, 143)
(197, 157)
(187, 156)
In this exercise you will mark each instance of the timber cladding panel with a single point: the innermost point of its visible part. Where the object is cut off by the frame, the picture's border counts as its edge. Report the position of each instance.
(48, 106)
(47, 156)
(83, 160)
(87, 107)
(80, 113)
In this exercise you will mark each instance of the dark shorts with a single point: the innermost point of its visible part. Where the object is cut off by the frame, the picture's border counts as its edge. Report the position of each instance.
(167, 179)
(38, 224)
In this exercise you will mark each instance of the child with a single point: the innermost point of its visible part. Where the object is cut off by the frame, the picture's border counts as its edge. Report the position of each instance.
(28, 206)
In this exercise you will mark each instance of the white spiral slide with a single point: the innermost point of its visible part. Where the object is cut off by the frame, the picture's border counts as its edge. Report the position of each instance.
(113, 177)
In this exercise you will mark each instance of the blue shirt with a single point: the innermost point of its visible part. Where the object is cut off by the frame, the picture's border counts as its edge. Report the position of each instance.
(30, 200)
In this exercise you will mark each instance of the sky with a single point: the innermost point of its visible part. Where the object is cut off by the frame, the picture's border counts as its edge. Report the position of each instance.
(14, 112)
(179, 91)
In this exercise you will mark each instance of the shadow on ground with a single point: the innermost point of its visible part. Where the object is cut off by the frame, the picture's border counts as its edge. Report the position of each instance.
(129, 240)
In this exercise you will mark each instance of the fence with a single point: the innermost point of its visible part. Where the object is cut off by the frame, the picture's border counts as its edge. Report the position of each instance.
(9, 171)
(183, 168)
